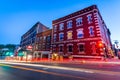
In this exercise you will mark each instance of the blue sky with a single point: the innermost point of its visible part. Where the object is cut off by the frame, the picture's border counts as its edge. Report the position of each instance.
(18, 16)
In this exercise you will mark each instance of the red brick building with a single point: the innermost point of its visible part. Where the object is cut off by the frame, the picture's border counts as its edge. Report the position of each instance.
(43, 44)
(81, 34)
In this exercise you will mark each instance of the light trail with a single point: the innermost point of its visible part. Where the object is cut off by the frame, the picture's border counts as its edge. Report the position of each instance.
(52, 67)
(46, 72)
(89, 71)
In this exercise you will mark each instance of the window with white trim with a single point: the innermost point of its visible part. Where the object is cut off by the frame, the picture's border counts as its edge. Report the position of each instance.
(61, 26)
(44, 38)
(91, 31)
(89, 18)
(79, 21)
(80, 33)
(61, 36)
(55, 28)
(69, 24)
(70, 48)
(69, 35)
(54, 37)
(81, 47)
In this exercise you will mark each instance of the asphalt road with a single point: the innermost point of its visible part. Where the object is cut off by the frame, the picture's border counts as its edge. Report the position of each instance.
(22, 71)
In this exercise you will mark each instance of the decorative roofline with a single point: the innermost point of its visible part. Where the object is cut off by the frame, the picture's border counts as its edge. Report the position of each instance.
(76, 13)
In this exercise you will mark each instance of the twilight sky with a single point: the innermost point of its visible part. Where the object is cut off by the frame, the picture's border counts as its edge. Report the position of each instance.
(18, 16)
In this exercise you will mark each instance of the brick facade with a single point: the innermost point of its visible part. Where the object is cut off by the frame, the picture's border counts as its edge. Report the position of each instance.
(79, 33)
(43, 41)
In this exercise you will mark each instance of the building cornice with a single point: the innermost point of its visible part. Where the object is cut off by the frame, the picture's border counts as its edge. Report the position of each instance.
(80, 12)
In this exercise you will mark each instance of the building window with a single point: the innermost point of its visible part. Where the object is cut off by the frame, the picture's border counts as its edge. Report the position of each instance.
(54, 48)
(54, 37)
(55, 28)
(48, 38)
(39, 46)
(69, 35)
(89, 18)
(70, 48)
(91, 31)
(81, 47)
(61, 26)
(79, 21)
(69, 24)
(61, 36)
(40, 38)
(47, 46)
(61, 48)
(80, 33)
(42, 46)
(44, 38)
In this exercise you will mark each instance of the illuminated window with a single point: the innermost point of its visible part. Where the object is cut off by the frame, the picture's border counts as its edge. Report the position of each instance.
(61, 26)
(69, 35)
(91, 31)
(69, 24)
(61, 36)
(89, 18)
(80, 33)
(79, 21)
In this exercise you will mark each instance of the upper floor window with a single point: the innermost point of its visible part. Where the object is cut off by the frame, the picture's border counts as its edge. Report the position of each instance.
(61, 36)
(44, 38)
(48, 38)
(91, 31)
(61, 26)
(79, 21)
(37, 39)
(69, 35)
(41, 38)
(89, 18)
(55, 28)
(80, 33)
(54, 37)
(69, 24)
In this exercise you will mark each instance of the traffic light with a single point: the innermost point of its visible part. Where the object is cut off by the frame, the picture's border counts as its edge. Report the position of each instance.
(100, 44)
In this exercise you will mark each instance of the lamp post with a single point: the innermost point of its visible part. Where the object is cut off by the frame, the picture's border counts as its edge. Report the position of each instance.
(116, 48)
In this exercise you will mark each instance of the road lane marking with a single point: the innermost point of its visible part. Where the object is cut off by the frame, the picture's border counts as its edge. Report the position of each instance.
(53, 67)
(91, 71)
(46, 72)
(45, 68)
